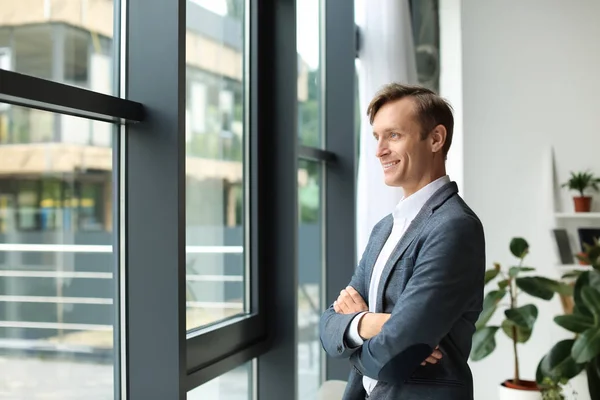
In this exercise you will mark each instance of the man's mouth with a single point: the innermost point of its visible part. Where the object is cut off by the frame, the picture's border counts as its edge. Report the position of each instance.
(390, 164)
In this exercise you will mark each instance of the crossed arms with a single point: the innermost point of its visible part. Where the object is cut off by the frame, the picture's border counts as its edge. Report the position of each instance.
(447, 277)
(369, 324)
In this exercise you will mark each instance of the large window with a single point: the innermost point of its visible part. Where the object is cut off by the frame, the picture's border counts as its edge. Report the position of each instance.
(310, 207)
(216, 136)
(225, 316)
(310, 271)
(58, 267)
(163, 177)
(57, 270)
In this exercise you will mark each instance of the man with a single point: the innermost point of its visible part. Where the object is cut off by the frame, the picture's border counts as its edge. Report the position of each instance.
(406, 319)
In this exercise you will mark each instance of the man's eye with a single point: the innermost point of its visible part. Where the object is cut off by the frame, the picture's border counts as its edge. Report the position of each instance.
(394, 135)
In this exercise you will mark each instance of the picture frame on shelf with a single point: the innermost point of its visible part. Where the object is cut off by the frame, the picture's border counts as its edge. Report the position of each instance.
(563, 245)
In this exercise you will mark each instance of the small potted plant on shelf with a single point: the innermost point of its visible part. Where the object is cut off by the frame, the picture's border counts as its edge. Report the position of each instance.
(581, 182)
(519, 319)
(568, 358)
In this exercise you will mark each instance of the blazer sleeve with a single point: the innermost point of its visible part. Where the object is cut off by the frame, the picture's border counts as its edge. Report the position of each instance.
(333, 326)
(448, 275)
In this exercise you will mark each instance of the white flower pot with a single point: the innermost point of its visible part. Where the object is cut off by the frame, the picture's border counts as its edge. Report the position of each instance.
(579, 385)
(505, 393)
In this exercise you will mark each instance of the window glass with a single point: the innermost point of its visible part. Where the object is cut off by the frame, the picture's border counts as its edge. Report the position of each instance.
(310, 270)
(233, 385)
(64, 41)
(309, 81)
(215, 163)
(56, 269)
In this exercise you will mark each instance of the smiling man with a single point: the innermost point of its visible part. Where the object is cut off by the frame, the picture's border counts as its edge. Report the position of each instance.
(406, 319)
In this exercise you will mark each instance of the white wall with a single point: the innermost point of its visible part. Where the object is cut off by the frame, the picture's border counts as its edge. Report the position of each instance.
(530, 80)
(451, 82)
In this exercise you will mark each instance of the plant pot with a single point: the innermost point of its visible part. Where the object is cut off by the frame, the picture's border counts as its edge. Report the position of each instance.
(578, 388)
(582, 258)
(582, 204)
(526, 390)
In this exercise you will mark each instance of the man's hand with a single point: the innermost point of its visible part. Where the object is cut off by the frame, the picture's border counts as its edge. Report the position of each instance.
(434, 357)
(370, 325)
(349, 302)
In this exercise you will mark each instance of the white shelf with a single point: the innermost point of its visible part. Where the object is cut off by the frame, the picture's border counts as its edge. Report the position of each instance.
(578, 215)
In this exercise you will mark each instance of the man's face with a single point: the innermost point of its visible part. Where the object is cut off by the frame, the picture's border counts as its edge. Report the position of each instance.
(406, 159)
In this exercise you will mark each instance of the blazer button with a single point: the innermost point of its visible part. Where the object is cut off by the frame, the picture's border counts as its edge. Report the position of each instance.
(339, 349)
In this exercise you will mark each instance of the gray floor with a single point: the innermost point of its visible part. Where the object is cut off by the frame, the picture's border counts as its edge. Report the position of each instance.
(38, 379)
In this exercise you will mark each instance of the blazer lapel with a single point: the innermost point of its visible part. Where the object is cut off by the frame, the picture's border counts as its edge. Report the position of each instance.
(413, 231)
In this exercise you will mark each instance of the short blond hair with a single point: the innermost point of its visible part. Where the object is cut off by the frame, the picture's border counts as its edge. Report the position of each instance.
(432, 110)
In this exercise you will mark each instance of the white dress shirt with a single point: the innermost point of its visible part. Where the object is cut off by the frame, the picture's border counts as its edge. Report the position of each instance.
(406, 210)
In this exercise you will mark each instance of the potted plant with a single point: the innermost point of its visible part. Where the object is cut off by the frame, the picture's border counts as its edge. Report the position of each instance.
(568, 358)
(581, 182)
(583, 256)
(519, 319)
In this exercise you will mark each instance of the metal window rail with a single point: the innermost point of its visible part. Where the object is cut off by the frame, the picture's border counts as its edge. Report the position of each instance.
(29, 91)
(83, 248)
(57, 248)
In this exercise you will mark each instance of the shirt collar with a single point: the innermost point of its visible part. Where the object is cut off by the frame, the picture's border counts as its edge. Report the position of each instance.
(408, 208)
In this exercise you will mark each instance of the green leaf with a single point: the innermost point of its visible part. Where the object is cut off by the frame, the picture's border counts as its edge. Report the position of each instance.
(594, 256)
(581, 181)
(586, 346)
(594, 279)
(490, 302)
(536, 286)
(503, 284)
(558, 363)
(523, 334)
(582, 281)
(519, 247)
(592, 370)
(539, 374)
(490, 274)
(576, 323)
(484, 342)
(523, 317)
(572, 274)
(591, 298)
(555, 286)
(514, 271)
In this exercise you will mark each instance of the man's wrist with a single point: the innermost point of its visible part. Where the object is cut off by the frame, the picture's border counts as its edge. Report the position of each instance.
(370, 324)
(352, 337)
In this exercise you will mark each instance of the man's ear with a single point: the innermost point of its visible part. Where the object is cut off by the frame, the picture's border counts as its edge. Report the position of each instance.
(437, 138)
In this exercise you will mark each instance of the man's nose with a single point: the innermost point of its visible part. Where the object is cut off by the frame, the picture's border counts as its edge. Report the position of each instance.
(382, 149)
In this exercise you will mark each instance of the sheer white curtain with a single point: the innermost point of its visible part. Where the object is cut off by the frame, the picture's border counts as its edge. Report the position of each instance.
(386, 55)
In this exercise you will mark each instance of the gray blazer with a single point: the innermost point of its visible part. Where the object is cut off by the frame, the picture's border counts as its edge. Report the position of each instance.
(433, 287)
